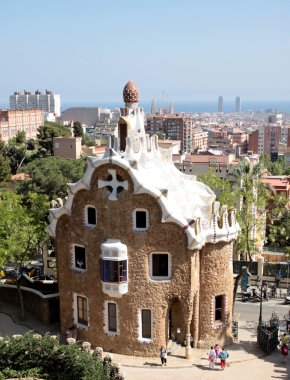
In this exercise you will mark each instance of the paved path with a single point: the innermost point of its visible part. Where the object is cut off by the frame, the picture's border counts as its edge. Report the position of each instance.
(246, 360)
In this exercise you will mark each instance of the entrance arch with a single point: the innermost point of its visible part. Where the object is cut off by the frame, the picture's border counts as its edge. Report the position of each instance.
(176, 329)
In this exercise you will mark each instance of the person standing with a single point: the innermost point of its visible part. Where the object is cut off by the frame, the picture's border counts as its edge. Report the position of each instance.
(217, 349)
(163, 356)
(223, 355)
(284, 352)
(211, 357)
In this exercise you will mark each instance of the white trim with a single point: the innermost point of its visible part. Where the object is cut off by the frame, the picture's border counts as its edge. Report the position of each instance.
(135, 228)
(73, 266)
(140, 338)
(75, 311)
(106, 319)
(160, 278)
(87, 224)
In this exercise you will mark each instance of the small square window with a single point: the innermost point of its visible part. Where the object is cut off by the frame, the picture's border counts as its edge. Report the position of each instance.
(141, 220)
(80, 257)
(160, 266)
(90, 216)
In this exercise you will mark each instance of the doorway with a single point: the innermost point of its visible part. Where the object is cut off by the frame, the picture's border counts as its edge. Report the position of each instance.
(123, 132)
(176, 326)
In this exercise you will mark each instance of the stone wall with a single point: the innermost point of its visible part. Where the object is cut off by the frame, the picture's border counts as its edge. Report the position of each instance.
(45, 309)
(115, 221)
(216, 278)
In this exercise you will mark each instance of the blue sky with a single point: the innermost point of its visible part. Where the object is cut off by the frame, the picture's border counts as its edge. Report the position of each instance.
(86, 50)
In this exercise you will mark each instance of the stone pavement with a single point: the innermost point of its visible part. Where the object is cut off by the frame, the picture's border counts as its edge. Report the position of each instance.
(246, 360)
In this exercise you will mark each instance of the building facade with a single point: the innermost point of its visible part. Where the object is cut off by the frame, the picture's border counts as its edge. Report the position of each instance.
(67, 147)
(175, 127)
(48, 102)
(267, 139)
(144, 255)
(14, 121)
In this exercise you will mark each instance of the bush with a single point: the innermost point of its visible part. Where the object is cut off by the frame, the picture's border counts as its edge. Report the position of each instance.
(44, 357)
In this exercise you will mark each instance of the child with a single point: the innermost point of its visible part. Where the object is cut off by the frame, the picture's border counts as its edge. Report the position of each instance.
(284, 352)
(211, 357)
(223, 356)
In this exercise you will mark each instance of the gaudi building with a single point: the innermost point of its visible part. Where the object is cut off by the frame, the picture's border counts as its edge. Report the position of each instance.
(144, 254)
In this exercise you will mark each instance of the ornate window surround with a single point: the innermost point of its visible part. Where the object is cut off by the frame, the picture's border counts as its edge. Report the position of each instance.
(160, 278)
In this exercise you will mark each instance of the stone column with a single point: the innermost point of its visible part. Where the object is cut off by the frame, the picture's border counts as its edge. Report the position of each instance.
(195, 319)
(188, 347)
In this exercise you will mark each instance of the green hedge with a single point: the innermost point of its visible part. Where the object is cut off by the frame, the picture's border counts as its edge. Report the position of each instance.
(44, 357)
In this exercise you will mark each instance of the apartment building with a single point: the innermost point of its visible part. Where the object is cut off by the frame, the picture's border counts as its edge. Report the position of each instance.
(175, 127)
(14, 121)
(267, 138)
(48, 102)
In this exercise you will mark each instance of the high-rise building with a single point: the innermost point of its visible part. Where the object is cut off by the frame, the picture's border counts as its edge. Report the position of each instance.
(47, 102)
(220, 104)
(238, 104)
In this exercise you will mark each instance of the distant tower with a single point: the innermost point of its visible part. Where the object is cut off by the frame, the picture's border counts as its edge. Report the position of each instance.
(152, 106)
(238, 104)
(220, 104)
(171, 108)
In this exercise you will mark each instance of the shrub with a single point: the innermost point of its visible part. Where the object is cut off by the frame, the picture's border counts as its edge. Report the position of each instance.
(44, 357)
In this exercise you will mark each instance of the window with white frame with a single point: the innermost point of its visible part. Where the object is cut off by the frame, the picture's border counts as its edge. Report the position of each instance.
(90, 216)
(160, 266)
(79, 258)
(140, 220)
(111, 318)
(219, 309)
(145, 324)
(82, 310)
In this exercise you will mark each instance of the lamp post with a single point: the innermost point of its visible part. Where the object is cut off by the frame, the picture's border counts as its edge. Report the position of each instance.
(261, 305)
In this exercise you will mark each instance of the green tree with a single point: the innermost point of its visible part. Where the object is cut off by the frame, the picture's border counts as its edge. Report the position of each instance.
(78, 129)
(47, 132)
(222, 189)
(5, 170)
(16, 154)
(273, 168)
(22, 229)
(50, 176)
(88, 140)
(20, 137)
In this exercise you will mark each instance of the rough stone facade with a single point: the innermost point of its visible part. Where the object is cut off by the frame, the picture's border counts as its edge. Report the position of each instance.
(198, 288)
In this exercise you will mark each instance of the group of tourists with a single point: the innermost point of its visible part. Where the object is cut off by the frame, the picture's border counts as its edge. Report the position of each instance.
(216, 353)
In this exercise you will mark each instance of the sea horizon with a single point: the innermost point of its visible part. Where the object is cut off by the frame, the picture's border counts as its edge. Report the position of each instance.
(187, 106)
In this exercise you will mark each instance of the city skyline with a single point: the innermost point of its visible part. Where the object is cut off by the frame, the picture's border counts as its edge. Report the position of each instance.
(86, 52)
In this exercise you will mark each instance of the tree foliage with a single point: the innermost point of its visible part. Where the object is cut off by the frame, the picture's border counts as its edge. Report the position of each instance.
(50, 176)
(47, 132)
(22, 226)
(45, 357)
(78, 129)
(273, 168)
(222, 189)
(5, 170)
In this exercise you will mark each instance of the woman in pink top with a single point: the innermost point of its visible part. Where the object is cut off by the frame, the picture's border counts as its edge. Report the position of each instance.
(217, 350)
